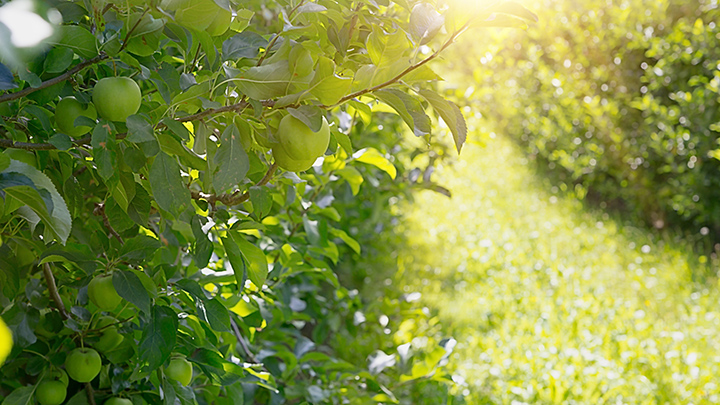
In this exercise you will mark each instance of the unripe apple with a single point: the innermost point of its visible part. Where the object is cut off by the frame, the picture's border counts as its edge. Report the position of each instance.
(110, 337)
(58, 374)
(179, 370)
(116, 98)
(286, 162)
(299, 141)
(67, 110)
(102, 293)
(83, 364)
(51, 392)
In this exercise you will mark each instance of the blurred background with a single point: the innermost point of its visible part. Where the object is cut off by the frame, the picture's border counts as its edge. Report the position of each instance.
(577, 259)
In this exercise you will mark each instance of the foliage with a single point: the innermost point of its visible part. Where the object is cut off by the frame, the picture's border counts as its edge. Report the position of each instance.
(620, 100)
(550, 303)
(217, 256)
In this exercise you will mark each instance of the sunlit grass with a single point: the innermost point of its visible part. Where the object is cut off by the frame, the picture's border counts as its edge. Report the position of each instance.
(552, 304)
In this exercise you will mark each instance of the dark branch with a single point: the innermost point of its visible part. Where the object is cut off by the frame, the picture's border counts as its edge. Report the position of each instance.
(100, 211)
(53, 291)
(234, 198)
(54, 80)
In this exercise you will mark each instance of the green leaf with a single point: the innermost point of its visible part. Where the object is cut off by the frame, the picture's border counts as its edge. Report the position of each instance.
(246, 44)
(167, 186)
(450, 114)
(4, 161)
(309, 115)
(246, 259)
(177, 128)
(352, 176)
(261, 201)
(352, 243)
(57, 222)
(172, 146)
(384, 49)
(57, 60)
(104, 150)
(325, 85)
(237, 262)
(129, 286)
(139, 248)
(257, 266)
(203, 248)
(233, 163)
(79, 39)
(266, 81)
(425, 22)
(61, 141)
(371, 156)
(20, 396)
(139, 129)
(214, 313)
(409, 109)
(159, 336)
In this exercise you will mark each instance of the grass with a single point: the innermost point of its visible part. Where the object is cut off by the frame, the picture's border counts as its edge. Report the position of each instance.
(551, 303)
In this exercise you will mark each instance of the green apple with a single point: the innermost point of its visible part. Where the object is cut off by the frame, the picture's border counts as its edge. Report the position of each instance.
(83, 364)
(196, 14)
(299, 141)
(118, 401)
(67, 110)
(110, 337)
(116, 98)
(220, 23)
(179, 370)
(102, 293)
(50, 393)
(286, 162)
(58, 374)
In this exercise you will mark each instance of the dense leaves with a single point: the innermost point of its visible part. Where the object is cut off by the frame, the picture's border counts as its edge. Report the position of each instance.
(216, 254)
(620, 102)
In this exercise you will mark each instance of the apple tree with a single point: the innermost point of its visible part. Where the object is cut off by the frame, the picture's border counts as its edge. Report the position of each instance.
(167, 226)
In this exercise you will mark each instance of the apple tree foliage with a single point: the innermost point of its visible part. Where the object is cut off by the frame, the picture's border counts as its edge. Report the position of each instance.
(218, 255)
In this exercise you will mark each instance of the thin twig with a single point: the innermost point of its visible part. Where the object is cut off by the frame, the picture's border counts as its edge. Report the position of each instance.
(234, 198)
(53, 291)
(401, 74)
(100, 211)
(275, 38)
(7, 143)
(241, 340)
(54, 80)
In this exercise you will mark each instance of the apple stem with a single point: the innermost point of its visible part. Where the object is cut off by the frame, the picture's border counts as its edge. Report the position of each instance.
(53, 291)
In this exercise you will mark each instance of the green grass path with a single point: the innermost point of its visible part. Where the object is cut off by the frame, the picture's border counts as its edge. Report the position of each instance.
(551, 304)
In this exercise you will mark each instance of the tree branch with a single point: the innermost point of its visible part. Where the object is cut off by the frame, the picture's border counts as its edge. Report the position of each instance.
(241, 340)
(53, 291)
(90, 393)
(100, 211)
(7, 143)
(234, 198)
(54, 80)
(401, 74)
